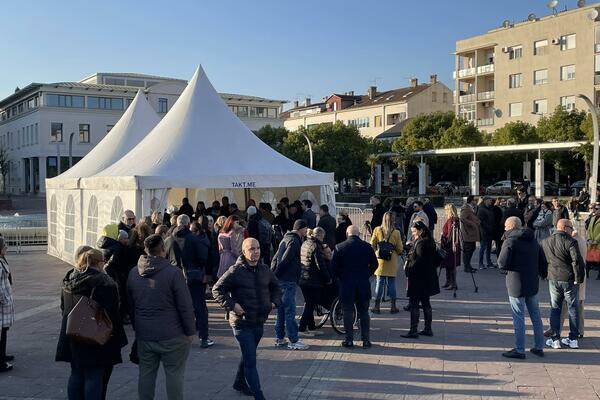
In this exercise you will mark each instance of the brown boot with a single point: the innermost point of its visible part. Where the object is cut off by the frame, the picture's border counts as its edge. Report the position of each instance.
(376, 308)
(393, 308)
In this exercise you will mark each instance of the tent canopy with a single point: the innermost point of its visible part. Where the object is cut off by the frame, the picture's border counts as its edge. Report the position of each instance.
(200, 143)
(135, 123)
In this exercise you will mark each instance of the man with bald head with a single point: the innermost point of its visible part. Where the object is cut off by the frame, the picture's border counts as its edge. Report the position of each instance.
(353, 263)
(524, 263)
(566, 271)
(248, 291)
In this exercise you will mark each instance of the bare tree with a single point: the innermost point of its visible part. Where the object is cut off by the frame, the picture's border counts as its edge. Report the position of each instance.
(4, 166)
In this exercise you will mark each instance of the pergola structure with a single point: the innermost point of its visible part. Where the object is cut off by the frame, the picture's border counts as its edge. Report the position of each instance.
(474, 164)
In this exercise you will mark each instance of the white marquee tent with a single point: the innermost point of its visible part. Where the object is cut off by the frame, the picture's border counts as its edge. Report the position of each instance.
(202, 151)
(67, 227)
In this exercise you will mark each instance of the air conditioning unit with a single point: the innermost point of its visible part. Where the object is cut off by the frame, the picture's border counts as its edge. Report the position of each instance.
(555, 41)
(505, 49)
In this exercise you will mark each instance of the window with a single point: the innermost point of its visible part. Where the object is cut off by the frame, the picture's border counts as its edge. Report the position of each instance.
(272, 112)
(114, 81)
(128, 103)
(163, 106)
(467, 112)
(359, 122)
(259, 112)
(515, 109)
(445, 98)
(84, 133)
(540, 47)
(108, 128)
(377, 122)
(116, 211)
(53, 221)
(568, 42)
(567, 72)
(105, 103)
(568, 102)
(540, 77)
(240, 111)
(56, 132)
(70, 226)
(434, 97)
(540, 106)
(36, 133)
(59, 100)
(515, 81)
(515, 52)
(393, 119)
(92, 222)
(135, 82)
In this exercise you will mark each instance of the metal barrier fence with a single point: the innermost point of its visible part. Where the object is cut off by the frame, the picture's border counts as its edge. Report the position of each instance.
(24, 231)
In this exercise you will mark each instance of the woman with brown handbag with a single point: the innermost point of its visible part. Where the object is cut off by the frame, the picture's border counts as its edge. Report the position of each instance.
(91, 365)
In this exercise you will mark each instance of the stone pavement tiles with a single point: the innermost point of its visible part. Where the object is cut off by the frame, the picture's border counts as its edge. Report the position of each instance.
(462, 360)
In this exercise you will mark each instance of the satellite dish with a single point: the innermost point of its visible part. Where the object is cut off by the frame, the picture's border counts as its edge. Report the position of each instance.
(552, 3)
(506, 23)
(592, 15)
(531, 17)
(581, 3)
(498, 113)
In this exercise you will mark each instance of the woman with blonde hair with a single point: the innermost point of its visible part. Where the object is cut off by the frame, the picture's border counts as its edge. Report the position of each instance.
(156, 219)
(7, 307)
(387, 243)
(450, 242)
(91, 365)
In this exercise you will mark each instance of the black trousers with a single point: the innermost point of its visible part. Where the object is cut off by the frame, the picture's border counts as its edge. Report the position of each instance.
(312, 297)
(468, 249)
(413, 303)
(3, 345)
(362, 307)
(198, 290)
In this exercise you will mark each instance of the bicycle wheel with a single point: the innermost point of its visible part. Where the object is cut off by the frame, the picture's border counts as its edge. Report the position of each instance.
(321, 316)
(337, 317)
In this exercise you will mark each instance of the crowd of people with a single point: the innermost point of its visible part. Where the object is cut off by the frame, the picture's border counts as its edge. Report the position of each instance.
(156, 274)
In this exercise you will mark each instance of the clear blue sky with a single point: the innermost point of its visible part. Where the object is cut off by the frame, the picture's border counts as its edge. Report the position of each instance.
(278, 49)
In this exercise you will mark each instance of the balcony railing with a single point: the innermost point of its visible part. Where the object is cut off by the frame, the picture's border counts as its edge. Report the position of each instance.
(485, 122)
(597, 47)
(463, 73)
(596, 79)
(485, 69)
(485, 95)
(467, 98)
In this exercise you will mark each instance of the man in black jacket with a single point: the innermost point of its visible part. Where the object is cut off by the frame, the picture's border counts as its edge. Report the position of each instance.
(531, 212)
(190, 253)
(566, 271)
(327, 222)
(286, 266)
(511, 210)
(353, 263)
(488, 228)
(248, 291)
(559, 212)
(163, 318)
(127, 221)
(524, 262)
(186, 208)
(378, 212)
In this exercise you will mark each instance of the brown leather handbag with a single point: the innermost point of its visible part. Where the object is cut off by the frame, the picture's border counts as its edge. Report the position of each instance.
(88, 322)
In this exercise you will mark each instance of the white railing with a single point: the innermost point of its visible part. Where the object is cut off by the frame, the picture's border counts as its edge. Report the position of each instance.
(467, 98)
(485, 69)
(485, 122)
(24, 231)
(485, 95)
(466, 72)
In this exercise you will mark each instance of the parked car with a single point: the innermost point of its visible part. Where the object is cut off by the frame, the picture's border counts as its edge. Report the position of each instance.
(505, 187)
(550, 188)
(446, 187)
(576, 187)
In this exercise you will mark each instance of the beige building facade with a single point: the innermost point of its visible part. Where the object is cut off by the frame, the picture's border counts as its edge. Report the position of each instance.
(374, 112)
(524, 70)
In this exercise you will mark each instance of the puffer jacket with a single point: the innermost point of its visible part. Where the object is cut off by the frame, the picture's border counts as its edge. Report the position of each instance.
(255, 289)
(315, 269)
(75, 285)
(286, 263)
(116, 258)
(565, 263)
(524, 261)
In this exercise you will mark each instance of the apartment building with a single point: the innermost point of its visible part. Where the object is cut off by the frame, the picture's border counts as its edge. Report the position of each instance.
(43, 123)
(374, 112)
(524, 70)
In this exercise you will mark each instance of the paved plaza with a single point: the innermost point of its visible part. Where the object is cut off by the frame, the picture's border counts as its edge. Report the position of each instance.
(462, 361)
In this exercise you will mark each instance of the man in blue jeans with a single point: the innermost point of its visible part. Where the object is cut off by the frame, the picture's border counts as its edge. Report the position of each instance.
(248, 291)
(286, 265)
(523, 261)
(566, 270)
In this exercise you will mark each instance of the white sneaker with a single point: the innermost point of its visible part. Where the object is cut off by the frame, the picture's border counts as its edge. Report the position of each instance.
(555, 344)
(280, 342)
(571, 343)
(298, 345)
(306, 334)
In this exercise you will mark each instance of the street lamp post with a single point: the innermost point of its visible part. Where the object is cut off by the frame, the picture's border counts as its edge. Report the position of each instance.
(309, 149)
(593, 184)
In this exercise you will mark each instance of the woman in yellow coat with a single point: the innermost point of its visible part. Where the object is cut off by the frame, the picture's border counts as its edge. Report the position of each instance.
(387, 243)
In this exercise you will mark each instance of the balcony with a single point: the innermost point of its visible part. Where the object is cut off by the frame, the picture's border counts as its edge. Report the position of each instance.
(597, 47)
(485, 69)
(483, 96)
(467, 98)
(484, 122)
(464, 73)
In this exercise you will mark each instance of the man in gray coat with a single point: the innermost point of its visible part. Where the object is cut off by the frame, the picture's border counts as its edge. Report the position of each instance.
(162, 315)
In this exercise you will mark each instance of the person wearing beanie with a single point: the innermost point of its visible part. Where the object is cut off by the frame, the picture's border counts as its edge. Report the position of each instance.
(287, 267)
